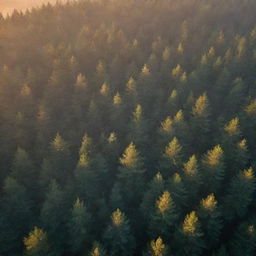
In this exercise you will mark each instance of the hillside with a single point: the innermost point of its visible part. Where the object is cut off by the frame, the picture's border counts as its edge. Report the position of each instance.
(128, 128)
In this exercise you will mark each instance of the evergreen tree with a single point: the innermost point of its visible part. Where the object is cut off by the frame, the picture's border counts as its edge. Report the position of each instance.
(158, 248)
(86, 177)
(179, 193)
(164, 217)
(213, 169)
(243, 240)
(172, 157)
(23, 170)
(79, 228)
(117, 236)
(192, 178)
(36, 243)
(16, 216)
(54, 219)
(60, 159)
(131, 175)
(240, 194)
(200, 123)
(138, 129)
(97, 250)
(189, 238)
(210, 217)
(155, 189)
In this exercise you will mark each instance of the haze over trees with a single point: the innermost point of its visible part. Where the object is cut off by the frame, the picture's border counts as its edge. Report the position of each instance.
(128, 128)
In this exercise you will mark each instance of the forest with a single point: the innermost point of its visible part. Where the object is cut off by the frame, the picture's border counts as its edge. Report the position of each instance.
(128, 128)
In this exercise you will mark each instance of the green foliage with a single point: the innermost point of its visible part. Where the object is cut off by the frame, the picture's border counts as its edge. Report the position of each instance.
(97, 250)
(16, 216)
(164, 217)
(210, 216)
(54, 217)
(244, 239)
(192, 177)
(36, 243)
(213, 168)
(117, 237)
(240, 194)
(189, 238)
(79, 227)
(146, 113)
(172, 157)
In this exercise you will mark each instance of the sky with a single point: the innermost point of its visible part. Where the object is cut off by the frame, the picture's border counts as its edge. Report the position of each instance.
(7, 6)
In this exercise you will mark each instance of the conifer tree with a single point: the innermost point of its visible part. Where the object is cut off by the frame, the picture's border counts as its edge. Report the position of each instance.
(192, 177)
(54, 219)
(173, 102)
(16, 216)
(36, 243)
(138, 129)
(60, 160)
(131, 175)
(97, 250)
(23, 169)
(210, 217)
(243, 241)
(239, 195)
(189, 238)
(172, 157)
(178, 191)
(86, 177)
(158, 248)
(118, 238)
(164, 217)
(231, 138)
(155, 189)
(200, 123)
(79, 228)
(213, 169)
(111, 150)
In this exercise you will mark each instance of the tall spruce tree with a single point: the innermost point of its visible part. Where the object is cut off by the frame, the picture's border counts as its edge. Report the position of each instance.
(79, 228)
(36, 243)
(117, 237)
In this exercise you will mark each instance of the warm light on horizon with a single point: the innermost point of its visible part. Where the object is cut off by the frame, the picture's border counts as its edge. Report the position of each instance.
(7, 6)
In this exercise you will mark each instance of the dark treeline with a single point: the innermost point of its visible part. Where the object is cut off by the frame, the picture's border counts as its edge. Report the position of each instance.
(128, 128)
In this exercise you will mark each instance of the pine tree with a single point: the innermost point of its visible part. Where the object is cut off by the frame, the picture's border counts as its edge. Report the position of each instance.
(172, 157)
(189, 238)
(243, 241)
(231, 140)
(210, 217)
(240, 194)
(23, 170)
(200, 123)
(36, 243)
(158, 248)
(54, 219)
(117, 236)
(130, 176)
(178, 191)
(138, 129)
(213, 169)
(79, 228)
(164, 217)
(155, 189)
(97, 250)
(86, 178)
(16, 216)
(60, 159)
(192, 178)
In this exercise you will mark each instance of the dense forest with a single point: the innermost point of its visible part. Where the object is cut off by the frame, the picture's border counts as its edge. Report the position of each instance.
(128, 128)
